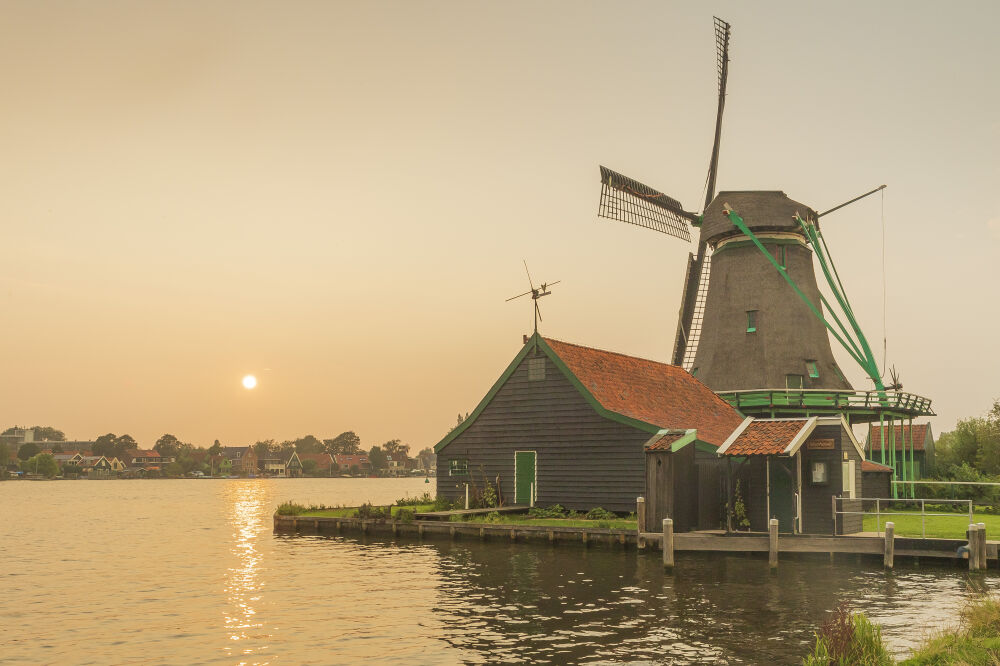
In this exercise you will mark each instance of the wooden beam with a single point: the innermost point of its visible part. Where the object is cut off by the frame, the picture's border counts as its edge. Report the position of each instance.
(772, 540)
(668, 543)
(890, 545)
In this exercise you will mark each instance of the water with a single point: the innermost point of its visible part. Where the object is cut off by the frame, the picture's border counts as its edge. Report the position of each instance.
(191, 572)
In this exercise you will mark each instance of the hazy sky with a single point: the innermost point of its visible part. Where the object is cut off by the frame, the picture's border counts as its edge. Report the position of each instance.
(337, 196)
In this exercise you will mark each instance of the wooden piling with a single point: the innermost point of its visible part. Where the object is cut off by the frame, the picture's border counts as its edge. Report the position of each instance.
(584, 537)
(981, 534)
(668, 543)
(395, 529)
(552, 536)
(482, 533)
(640, 523)
(451, 531)
(973, 547)
(420, 531)
(316, 524)
(889, 554)
(772, 543)
(513, 534)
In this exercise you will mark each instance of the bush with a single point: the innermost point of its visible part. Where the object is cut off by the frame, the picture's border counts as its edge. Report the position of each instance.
(600, 514)
(290, 509)
(554, 511)
(443, 504)
(849, 639)
(371, 512)
(406, 515)
(414, 501)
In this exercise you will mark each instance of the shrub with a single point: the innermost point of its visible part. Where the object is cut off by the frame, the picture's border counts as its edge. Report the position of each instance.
(290, 509)
(847, 639)
(406, 515)
(442, 504)
(414, 501)
(554, 511)
(371, 512)
(599, 514)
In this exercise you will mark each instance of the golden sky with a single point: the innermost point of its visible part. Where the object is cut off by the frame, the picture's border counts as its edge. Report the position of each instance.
(337, 196)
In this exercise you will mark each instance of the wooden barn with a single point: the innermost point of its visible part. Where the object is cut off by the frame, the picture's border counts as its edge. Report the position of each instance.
(571, 425)
(790, 468)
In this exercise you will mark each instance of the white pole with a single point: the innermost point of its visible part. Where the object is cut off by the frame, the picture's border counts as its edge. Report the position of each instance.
(531, 488)
(466, 497)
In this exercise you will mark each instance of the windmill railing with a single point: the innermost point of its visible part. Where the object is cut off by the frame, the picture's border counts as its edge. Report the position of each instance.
(825, 400)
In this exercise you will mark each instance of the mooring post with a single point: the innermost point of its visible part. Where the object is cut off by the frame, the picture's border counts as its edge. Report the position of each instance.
(640, 522)
(584, 537)
(466, 497)
(420, 530)
(668, 543)
(395, 528)
(890, 545)
(513, 534)
(981, 535)
(973, 547)
(772, 543)
(552, 536)
(482, 533)
(451, 531)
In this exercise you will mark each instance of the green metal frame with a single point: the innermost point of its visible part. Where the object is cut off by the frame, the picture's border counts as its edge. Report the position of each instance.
(857, 346)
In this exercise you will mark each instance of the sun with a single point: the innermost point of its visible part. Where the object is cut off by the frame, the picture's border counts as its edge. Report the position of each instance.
(249, 382)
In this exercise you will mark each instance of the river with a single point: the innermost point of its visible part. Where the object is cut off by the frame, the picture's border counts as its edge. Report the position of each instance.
(190, 571)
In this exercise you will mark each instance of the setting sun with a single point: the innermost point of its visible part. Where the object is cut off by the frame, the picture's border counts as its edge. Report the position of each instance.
(249, 382)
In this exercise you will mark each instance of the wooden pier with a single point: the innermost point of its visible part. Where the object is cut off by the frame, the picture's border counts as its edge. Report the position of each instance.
(712, 541)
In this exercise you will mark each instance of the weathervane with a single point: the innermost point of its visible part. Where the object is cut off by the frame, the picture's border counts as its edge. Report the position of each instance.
(535, 293)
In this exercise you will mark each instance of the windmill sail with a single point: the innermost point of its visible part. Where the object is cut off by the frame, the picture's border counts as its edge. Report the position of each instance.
(696, 279)
(628, 200)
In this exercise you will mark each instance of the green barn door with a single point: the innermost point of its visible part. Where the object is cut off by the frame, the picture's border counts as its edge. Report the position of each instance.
(524, 476)
(782, 494)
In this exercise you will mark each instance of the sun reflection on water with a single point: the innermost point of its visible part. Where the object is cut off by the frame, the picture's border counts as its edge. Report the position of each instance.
(248, 503)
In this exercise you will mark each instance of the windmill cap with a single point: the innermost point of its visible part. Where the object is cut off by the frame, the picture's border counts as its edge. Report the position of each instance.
(761, 210)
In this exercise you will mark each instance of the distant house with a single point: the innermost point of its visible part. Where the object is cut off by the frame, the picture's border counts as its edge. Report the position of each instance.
(295, 466)
(398, 464)
(139, 461)
(69, 457)
(347, 461)
(898, 437)
(96, 467)
(242, 458)
(271, 466)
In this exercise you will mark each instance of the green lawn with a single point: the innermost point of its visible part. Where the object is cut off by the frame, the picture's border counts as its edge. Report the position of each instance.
(349, 511)
(519, 519)
(940, 527)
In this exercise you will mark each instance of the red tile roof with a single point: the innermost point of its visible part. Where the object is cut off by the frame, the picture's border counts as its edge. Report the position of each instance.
(869, 466)
(348, 460)
(765, 437)
(663, 443)
(919, 436)
(655, 393)
(323, 460)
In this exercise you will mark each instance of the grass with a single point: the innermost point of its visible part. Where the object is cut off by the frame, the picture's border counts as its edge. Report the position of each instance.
(976, 639)
(517, 519)
(350, 511)
(938, 527)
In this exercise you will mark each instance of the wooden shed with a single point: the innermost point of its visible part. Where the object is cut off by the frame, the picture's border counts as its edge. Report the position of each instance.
(790, 469)
(567, 424)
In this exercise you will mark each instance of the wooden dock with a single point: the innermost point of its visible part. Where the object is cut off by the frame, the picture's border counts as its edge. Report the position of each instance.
(706, 541)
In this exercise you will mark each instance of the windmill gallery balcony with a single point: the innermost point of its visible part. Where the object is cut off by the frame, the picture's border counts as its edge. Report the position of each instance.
(858, 406)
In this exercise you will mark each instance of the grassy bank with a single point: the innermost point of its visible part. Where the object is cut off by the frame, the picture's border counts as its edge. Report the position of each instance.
(853, 639)
(940, 527)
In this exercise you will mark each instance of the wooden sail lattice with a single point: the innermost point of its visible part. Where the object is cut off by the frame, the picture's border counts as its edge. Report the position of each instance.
(698, 314)
(628, 200)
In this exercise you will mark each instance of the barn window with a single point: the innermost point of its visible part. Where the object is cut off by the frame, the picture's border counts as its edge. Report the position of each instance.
(458, 467)
(813, 370)
(751, 321)
(793, 381)
(536, 369)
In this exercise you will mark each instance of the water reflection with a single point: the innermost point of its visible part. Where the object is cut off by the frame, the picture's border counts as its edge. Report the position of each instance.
(248, 503)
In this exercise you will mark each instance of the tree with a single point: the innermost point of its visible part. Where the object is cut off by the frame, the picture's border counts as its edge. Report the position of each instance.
(71, 469)
(377, 459)
(427, 458)
(124, 443)
(309, 466)
(168, 446)
(27, 450)
(308, 444)
(4, 460)
(459, 421)
(355, 470)
(265, 448)
(216, 449)
(43, 464)
(346, 443)
(105, 446)
(396, 446)
(174, 469)
(49, 434)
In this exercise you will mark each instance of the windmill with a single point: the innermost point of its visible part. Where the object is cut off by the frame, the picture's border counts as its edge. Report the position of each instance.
(740, 326)
(535, 294)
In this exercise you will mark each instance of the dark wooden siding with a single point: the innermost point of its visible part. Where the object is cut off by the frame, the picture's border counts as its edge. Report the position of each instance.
(875, 484)
(817, 510)
(583, 459)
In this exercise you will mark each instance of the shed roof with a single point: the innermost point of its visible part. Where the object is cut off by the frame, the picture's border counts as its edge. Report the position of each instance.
(765, 437)
(646, 394)
(869, 466)
(919, 436)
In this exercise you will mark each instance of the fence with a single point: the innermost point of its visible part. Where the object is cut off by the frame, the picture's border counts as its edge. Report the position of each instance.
(888, 503)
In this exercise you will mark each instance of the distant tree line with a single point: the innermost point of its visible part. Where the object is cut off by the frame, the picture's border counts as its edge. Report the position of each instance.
(970, 452)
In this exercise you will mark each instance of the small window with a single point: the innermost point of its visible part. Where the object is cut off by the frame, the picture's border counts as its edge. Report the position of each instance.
(813, 370)
(793, 381)
(751, 321)
(458, 467)
(536, 369)
(819, 472)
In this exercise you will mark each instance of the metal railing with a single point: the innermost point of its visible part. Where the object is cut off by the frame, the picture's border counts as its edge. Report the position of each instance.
(820, 399)
(885, 502)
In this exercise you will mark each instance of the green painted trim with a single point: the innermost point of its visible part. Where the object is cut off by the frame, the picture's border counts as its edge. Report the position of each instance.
(688, 437)
(460, 428)
(536, 341)
(705, 447)
(589, 397)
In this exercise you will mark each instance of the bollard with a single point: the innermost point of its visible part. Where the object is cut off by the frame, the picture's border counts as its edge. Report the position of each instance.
(981, 533)
(640, 523)
(973, 547)
(890, 545)
(772, 543)
(466, 497)
(668, 543)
